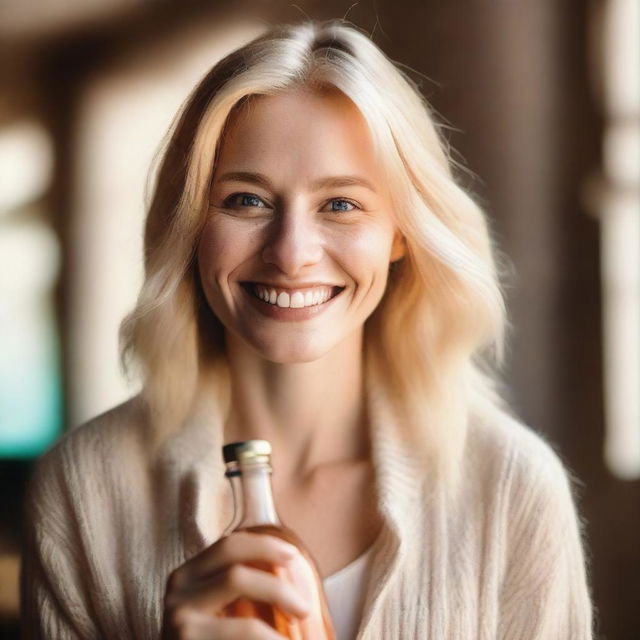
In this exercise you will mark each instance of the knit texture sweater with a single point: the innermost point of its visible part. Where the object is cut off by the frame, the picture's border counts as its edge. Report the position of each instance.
(502, 558)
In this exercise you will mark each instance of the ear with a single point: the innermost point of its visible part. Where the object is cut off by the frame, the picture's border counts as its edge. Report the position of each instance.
(399, 247)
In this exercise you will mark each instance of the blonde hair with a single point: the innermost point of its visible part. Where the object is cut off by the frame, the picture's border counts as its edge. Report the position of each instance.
(436, 338)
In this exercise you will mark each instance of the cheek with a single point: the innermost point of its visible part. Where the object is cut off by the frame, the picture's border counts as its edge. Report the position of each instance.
(369, 249)
(221, 247)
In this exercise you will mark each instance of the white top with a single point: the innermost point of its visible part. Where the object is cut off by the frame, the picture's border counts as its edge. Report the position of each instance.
(345, 591)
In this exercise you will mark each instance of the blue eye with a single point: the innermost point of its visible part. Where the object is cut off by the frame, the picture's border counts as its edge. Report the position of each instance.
(342, 202)
(252, 201)
(246, 200)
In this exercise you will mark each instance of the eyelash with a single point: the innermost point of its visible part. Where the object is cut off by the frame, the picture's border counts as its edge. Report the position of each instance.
(230, 198)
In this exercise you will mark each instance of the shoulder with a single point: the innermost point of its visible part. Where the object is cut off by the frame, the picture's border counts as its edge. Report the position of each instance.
(504, 440)
(521, 466)
(86, 452)
(112, 431)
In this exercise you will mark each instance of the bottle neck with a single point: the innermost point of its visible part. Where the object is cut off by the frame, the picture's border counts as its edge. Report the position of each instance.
(253, 497)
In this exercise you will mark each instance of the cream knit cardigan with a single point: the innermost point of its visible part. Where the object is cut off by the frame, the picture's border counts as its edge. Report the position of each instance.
(503, 559)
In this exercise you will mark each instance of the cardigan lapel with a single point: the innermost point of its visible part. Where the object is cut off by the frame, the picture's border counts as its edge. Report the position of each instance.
(398, 483)
(205, 504)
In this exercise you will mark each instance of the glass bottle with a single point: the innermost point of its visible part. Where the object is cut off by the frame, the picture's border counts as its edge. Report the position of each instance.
(248, 468)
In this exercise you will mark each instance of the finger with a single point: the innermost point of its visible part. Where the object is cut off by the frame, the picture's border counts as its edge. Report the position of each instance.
(239, 580)
(241, 546)
(250, 628)
(198, 626)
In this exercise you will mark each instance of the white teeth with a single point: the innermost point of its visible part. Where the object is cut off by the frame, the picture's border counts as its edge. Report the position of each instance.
(295, 301)
(283, 299)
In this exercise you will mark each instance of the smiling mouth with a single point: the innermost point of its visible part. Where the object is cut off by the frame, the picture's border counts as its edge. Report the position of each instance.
(250, 288)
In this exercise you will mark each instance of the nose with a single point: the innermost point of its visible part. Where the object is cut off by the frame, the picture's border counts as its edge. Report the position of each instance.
(293, 241)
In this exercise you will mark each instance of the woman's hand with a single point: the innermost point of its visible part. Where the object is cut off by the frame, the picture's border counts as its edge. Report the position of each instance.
(198, 590)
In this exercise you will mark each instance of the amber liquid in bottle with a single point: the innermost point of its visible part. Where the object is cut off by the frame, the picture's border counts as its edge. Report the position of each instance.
(249, 471)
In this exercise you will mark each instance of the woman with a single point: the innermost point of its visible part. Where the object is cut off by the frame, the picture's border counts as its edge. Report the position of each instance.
(305, 171)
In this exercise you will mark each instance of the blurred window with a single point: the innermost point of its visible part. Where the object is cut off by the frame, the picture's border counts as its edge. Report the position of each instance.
(620, 234)
(30, 379)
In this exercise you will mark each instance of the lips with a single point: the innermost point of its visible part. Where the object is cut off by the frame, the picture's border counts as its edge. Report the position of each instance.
(290, 289)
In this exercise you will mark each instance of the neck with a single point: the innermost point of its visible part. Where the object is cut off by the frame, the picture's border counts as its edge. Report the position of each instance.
(313, 413)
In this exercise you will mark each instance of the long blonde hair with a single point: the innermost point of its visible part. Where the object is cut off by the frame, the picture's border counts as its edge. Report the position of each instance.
(437, 337)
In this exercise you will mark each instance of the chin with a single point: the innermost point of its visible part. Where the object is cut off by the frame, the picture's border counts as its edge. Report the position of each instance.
(283, 351)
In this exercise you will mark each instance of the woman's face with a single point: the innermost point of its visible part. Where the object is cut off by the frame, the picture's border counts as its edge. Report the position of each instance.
(282, 213)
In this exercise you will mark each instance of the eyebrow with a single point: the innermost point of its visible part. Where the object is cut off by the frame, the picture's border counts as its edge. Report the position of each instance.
(316, 185)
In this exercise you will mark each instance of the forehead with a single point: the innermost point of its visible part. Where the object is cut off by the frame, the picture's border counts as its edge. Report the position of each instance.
(297, 128)
(295, 105)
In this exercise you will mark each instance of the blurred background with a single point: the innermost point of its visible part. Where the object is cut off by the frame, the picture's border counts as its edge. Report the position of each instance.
(541, 101)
